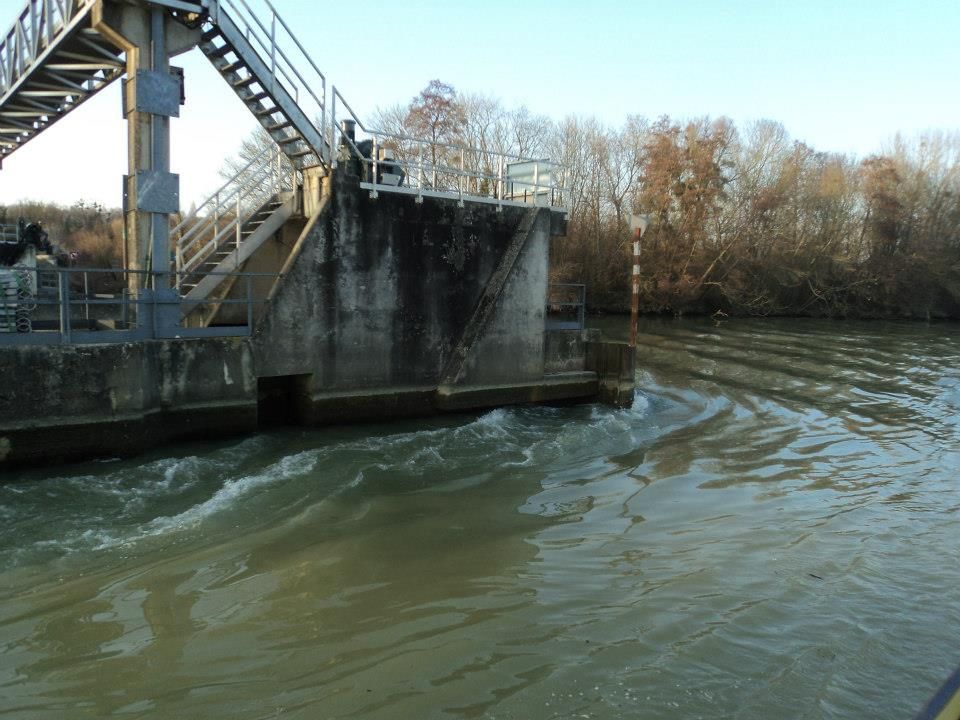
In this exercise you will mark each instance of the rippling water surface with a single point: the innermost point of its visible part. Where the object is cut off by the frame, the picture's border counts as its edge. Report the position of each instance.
(770, 532)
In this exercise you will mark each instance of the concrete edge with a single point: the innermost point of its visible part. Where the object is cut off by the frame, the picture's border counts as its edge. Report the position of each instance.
(423, 401)
(573, 386)
(333, 406)
(122, 436)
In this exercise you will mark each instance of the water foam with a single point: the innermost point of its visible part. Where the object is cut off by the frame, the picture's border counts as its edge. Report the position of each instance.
(286, 468)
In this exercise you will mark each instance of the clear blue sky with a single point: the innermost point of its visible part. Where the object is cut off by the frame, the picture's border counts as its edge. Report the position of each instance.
(841, 75)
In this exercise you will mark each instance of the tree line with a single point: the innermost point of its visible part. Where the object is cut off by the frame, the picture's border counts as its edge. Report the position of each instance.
(744, 221)
(90, 232)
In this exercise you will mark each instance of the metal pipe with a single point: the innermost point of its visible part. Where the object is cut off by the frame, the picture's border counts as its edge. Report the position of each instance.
(333, 128)
(635, 295)
(420, 170)
(64, 289)
(273, 53)
(249, 303)
(581, 314)
(236, 259)
(159, 154)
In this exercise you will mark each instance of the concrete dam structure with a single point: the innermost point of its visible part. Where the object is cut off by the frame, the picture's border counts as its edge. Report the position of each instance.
(333, 279)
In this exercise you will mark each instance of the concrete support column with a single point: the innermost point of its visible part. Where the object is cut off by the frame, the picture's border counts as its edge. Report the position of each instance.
(151, 96)
(158, 124)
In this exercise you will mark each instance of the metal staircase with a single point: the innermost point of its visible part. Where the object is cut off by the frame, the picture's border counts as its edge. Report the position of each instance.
(218, 237)
(51, 61)
(247, 53)
(229, 227)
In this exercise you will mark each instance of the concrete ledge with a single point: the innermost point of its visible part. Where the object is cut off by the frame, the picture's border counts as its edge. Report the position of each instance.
(75, 440)
(66, 403)
(372, 404)
(571, 386)
(422, 401)
(614, 363)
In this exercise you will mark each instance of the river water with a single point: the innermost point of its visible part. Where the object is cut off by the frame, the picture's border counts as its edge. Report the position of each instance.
(769, 532)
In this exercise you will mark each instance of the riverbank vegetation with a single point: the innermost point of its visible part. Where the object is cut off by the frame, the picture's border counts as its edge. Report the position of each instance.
(744, 220)
(89, 232)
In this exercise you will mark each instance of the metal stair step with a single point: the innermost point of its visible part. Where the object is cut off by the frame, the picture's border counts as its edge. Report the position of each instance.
(265, 112)
(232, 67)
(278, 126)
(218, 52)
(245, 83)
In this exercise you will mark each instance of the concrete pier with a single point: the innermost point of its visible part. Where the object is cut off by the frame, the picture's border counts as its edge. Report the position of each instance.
(387, 307)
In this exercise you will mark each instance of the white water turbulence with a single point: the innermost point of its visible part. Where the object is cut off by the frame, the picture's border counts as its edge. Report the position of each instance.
(769, 532)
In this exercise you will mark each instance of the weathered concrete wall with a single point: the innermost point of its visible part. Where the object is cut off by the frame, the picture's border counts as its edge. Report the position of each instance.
(383, 289)
(511, 349)
(61, 403)
(615, 366)
(269, 260)
(564, 351)
(388, 307)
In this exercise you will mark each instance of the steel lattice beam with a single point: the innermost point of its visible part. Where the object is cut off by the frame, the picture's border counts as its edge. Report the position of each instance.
(51, 61)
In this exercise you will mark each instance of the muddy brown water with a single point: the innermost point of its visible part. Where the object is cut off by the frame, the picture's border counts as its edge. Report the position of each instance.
(769, 532)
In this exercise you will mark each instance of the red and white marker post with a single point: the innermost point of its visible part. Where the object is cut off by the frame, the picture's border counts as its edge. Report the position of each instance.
(639, 225)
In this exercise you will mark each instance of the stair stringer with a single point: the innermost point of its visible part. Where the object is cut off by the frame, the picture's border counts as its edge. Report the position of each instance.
(239, 256)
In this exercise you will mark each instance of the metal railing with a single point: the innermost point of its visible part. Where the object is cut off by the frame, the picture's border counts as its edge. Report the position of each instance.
(419, 167)
(94, 305)
(283, 54)
(437, 169)
(9, 233)
(47, 85)
(566, 306)
(219, 220)
(33, 31)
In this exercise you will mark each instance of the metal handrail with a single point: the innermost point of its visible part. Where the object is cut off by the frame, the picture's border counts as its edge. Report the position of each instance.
(226, 201)
(257, 160)
(337, 95)
(9, 233)
(425, 176)
(277, 58)
(554, 304)
(33, 31)
(78, 313)
(228, 209)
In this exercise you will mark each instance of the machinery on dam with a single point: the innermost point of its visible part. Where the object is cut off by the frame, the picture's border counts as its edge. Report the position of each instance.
(343, 272)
